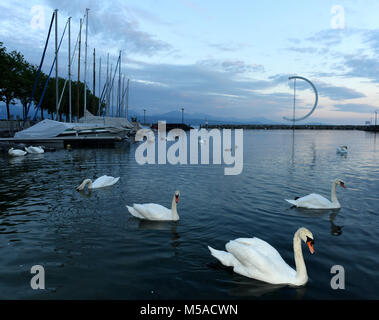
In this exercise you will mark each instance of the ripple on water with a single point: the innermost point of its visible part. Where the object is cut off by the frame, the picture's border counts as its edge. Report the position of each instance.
(91, 247)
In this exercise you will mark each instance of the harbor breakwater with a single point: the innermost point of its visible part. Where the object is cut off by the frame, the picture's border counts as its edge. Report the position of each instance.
(297, 127)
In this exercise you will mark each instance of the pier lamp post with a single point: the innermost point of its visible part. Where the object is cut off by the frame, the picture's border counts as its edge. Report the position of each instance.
(144, 116)
(182, 115)
(376, 114)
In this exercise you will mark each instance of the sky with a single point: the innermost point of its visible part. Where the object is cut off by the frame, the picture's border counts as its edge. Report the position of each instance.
(227, 59)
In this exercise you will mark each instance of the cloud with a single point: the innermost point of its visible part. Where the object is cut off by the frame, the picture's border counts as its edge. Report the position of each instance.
(198, 86)
(309, 50)
(228, 47)
(327, 90)
(336, 92)
(114, 25)
(232, 66)
(362, 67)
(330, 37)
(359, 108)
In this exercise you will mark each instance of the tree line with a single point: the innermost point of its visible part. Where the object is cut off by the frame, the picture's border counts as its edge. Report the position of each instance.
(17, 77)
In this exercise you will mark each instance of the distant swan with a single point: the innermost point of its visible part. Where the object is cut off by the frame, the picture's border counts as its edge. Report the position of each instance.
(153, 211)
(342, 149)
(103, 181)
(32, 149)
(16, 152)
(315, 201)
(255, 258)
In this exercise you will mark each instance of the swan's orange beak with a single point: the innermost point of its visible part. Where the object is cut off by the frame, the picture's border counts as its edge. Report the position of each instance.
(176, 199)
(310, 244)
(343, 185)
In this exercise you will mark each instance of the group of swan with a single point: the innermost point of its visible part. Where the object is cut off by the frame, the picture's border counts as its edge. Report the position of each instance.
(253, 257)
(250, 257)
(18, 152)
(148, 211)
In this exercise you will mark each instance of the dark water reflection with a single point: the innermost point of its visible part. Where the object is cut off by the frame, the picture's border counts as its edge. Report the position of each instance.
(92, 248)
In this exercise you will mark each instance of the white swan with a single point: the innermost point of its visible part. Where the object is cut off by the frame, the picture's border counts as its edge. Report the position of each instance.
(16, 152)
(315, 201)
(255, 258)
(103, 181)
(153, 211)
(32, 149)
(342, 149)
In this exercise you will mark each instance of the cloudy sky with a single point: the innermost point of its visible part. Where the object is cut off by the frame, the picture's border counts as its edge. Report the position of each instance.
(222, 58)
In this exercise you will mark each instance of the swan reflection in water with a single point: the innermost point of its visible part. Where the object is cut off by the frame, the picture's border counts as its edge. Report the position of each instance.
(335, 230)
(246, 287)
(86, 193)
(159, 226)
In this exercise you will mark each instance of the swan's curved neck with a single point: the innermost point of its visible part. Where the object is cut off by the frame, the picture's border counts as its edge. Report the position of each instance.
(86, 181)
(173, 208)
(334, 194)
(301, 270)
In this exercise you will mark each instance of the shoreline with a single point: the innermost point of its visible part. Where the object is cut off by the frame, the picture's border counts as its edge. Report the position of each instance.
(371, 128)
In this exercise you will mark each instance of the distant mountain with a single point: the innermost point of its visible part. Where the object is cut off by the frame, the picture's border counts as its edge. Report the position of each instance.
(197, 118)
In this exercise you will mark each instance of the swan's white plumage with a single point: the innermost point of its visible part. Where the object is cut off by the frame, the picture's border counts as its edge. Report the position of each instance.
(316, 201)
(36, 150)
(103, 181)
(255, 258)
(312, 201)
(154, 211)
(342, 149)
(150, 211)
(16, 152)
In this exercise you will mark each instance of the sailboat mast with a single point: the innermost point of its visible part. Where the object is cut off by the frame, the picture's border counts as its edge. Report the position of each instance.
(127, 100)
(98, 109)
(122, 97)
(119, 88)
(78, 86)
(85, 64)
(56, 62)
(69, 71)
(107, 86)
(111, 94)
(94, 71)
(294, 103)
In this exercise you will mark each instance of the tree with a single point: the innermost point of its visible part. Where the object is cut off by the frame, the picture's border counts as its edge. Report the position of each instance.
(11, 75)
(27, 77)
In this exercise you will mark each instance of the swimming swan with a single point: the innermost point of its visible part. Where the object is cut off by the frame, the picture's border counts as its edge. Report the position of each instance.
(32, 149)
(153, 211)
(16, 152)
(315, 201)
(342, 149)
(255, 258)
(103, 181)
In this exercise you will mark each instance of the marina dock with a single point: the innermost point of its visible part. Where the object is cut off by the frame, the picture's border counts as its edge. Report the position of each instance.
(63, 142)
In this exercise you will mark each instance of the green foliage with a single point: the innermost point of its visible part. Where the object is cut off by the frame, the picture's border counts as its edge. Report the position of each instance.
(17, 80)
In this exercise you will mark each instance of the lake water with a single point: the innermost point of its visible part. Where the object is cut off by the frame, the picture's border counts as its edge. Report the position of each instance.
(91, 247)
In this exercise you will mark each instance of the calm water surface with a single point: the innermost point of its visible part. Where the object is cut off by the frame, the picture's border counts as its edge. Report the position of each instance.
(92, 248)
